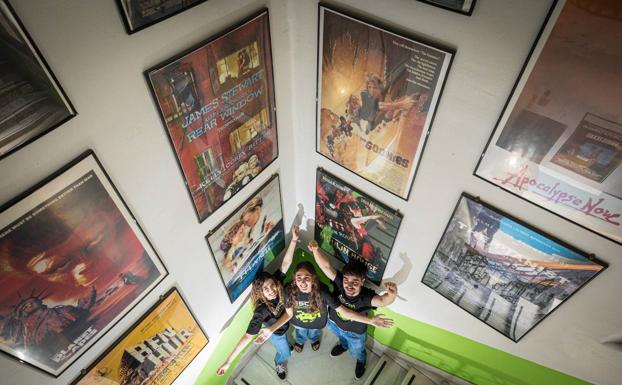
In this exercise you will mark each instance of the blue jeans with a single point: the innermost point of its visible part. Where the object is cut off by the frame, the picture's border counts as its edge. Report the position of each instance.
(301, 335)
(354, 342)
(282, 348)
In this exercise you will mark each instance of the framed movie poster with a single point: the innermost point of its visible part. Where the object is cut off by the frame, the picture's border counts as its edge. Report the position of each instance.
(140, 14)
(464, 7)
(377, 96)
(558, 142)
(249, 239)
(351, 224)
(32, 101)
(217, 103)
(154, 351)
(504, 272)
(73, 262)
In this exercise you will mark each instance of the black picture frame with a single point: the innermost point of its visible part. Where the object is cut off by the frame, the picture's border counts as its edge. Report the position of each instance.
(100, 175)
(134, 326)
(222, 198)
(434, 103)
(214, 241)
(465, 9)
(586, 195)
(37, 100)
(496, 263)
(128, 22)
(368, 245)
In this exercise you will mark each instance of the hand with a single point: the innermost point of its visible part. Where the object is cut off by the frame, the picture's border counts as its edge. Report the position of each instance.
(295, 233)
(391, 288)
(381, 321)
(263, 336)
(221, 371)
(313, 246)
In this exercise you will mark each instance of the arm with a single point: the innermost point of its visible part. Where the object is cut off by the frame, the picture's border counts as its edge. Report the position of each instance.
(244, 340)
(387, 298)
(289, 254)
(378, 320)
(322, 261)
(265, 333)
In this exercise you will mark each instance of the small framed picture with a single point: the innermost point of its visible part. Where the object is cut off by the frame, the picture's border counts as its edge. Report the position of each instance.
(32, 102)
(464, 7)
(140, 14)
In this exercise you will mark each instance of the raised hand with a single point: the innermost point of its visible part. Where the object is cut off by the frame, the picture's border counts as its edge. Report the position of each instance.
(221, 371)
(295, 233)
(313, 246)
(263, 336)
(391, 288)
(381, 321)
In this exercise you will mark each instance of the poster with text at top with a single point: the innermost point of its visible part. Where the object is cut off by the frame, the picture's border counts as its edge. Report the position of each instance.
(558, 143)
(217, 103)
(350, 224)
(501, 271)
(154, 351)
(377, 95)
(73, 261)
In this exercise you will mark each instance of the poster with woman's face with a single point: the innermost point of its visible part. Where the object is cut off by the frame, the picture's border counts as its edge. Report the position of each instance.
(251, 238)
(73, 261)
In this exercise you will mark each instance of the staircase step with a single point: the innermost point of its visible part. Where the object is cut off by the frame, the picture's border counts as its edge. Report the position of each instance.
(385, 372)
(257, 372)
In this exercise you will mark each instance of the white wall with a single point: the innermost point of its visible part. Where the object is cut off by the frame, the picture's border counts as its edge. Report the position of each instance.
(491, 46)
(100, 68)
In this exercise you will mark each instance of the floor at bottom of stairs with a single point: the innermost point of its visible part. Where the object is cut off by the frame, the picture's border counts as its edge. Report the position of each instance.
(305, 368)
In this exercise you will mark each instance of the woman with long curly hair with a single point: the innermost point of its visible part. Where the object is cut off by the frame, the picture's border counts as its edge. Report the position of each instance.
(307, 309)
(269, 301)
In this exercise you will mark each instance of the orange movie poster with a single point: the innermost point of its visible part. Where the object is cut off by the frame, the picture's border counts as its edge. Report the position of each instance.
(154, 351)
(378, 92)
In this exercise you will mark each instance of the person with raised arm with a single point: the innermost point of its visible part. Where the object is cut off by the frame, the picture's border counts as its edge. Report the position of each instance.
(350, 293)
(268, 299)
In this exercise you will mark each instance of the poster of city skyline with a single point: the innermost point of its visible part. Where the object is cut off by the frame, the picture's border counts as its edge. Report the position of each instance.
(154, 350)
(503, 272)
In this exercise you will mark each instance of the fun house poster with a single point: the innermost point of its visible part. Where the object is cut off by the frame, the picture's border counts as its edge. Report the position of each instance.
(349, 224)
(217, 102)
(503, 273)
(72, 263)
(558, 143)
(249, 239)
(154, 351)
(377, 96)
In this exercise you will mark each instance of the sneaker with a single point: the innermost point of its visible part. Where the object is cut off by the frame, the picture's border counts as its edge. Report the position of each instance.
(281, 371)
(337, 350)
(360, 370)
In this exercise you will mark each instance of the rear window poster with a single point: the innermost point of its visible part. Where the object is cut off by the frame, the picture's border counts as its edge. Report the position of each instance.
(248, 240)
(73, 261)
(350, 224)
(155, 350)
(217, 102)
(558, 143)
(378, 93)
(502, 272)
(139, 14)
(31, 100)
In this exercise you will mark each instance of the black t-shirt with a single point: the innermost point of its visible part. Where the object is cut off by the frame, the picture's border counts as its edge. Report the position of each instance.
(262, 316)
(360, 304)
(312, 320)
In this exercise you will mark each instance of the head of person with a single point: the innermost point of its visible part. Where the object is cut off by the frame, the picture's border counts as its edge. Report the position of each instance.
(265, 290)
(305, 281)
(374, 85)
(252, 212)
(353, 277)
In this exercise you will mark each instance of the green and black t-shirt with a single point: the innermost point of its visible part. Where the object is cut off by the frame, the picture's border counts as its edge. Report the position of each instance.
(262, 316)
(312, 320)
(360, 304)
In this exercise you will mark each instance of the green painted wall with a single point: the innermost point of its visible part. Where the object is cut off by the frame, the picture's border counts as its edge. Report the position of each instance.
(452, 353)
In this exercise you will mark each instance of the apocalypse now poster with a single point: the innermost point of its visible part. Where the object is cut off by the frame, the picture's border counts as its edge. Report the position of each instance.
(217, 103)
